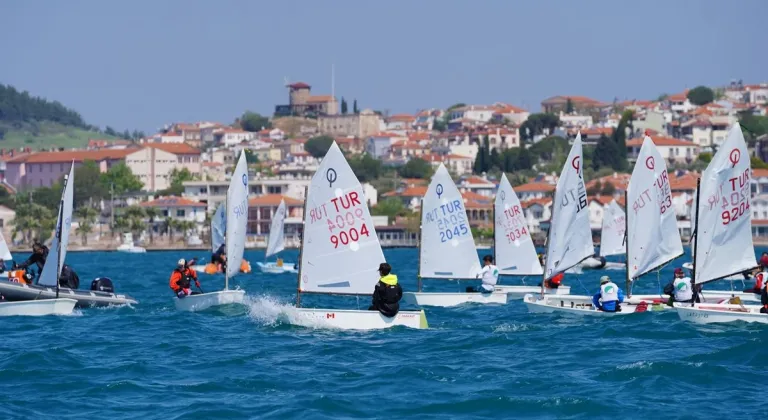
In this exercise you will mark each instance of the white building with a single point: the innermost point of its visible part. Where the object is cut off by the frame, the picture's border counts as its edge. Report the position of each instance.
(178, 208)
(671, 149)
(215, 192)
(233, 136)
(482, 113)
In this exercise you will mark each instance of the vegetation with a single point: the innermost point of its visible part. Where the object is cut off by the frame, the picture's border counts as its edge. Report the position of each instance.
(365, 167)
(253, 122)
(416, 168)
(18, 107)
(33, 221)
(701, 95)
(318, 146)
(391, 207)
(177, 178)
(536, 124)
(355, 110)
(86, 217)
(343, 106)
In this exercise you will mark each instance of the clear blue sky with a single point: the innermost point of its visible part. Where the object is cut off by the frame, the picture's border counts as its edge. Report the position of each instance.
(144, 63)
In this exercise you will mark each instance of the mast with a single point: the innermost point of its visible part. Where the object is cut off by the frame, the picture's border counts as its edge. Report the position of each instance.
(58, 233)
(626, 240)
(301, 247)
(493, 231)
(696, 243)
(226, 240)
(546, 246)
(418, 241)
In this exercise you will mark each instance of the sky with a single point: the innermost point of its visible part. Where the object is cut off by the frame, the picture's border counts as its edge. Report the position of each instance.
(141, 64)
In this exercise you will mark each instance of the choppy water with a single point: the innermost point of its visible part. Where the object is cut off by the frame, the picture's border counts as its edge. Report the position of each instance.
(475, 361)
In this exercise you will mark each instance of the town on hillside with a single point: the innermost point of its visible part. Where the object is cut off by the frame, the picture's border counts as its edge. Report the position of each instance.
(161, 189)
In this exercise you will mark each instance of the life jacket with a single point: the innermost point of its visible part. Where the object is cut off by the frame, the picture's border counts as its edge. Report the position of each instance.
(760, 280)
(683, 290)
(245, 266)
(181, 279)
(389, 294)
(490, 277)
(609, 292)
(17, 276)
(279, 262)
(557, 280)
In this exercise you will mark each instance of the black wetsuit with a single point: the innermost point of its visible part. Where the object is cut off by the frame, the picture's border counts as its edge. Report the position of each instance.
(386, 299)
(68, 278)
(35, 258)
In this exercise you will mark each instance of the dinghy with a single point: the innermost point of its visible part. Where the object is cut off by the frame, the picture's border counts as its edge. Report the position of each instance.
(513, 248)
(722, 244)
(582, 305)
(41, 307)
(569, 239)
(446, 247)
(236, 223)
(47, 286)
(129, 246)
(340, 251)
(218, 234)
(612, 235)
(275, 244)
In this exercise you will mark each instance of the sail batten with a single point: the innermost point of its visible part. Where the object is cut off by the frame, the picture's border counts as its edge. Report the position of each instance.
(513, 245)
(447, 246)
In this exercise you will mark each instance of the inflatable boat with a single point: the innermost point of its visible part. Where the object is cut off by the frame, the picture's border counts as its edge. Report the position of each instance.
(101, 293)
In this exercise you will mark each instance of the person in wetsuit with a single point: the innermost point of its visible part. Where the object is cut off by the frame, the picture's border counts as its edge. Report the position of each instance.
(38, 257)
(182, 278)
(220, 258)
(387, 293)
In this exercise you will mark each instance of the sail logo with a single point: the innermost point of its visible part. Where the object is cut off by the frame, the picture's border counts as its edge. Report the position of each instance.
(240, 209)
(245, 179)
(650, 163)
(734, 157)
(576, 163)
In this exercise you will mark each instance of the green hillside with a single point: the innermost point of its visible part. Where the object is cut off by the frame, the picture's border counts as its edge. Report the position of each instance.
(46, 134)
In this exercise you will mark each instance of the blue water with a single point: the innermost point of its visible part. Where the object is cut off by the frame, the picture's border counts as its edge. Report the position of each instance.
(152, 362)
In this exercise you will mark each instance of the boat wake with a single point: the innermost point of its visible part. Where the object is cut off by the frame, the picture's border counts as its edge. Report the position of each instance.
(269, 311)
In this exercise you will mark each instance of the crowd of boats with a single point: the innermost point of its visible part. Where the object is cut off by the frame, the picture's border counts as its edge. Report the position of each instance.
(340, 251)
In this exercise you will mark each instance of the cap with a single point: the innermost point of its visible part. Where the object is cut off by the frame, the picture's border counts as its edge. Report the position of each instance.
(679, 270)
(182, 262)
(605, 279)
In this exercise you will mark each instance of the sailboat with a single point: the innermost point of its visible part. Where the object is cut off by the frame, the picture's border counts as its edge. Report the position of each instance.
(723, 231)
(340, 251)
(613, 230)
(446, 247)
(218, 234)
(513, 248)
(236, 224)
(47, 286)
(276, 243)
(5, 254)
(569, 238)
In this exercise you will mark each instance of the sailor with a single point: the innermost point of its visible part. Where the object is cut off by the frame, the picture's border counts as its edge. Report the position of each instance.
(68, 278)
(387, 293)
(555, 281)
(680, 289)
(761, 276)
(182, 278)
(220, 258)
(489, 274)
(38, 257)
(609, 297)
(764, 299)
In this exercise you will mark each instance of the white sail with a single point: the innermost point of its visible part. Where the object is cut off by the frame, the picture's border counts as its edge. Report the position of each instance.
(612, 233)
(653, 236)
(276, 242)
(724, 218)
(218, 227)
(513, 245)
(58, 250)
(237, 216)
(570, 236)
(447, 246)
(5, 252)
(340, 251)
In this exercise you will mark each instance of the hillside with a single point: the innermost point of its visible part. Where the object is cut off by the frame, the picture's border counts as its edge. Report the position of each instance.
(31, 121)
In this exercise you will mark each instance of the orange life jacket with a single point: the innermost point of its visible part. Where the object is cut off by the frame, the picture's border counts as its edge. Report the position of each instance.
(17, 276)
(557, 279)
(177, 276)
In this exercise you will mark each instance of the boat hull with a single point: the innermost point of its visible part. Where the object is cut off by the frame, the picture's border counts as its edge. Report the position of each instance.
(518, 292)
(578, 306)
(357, 319)
(720, 313)
(201, 302)
(16, 292)
(273, 268)
(131, 249)
(39, 307)
(453, 299)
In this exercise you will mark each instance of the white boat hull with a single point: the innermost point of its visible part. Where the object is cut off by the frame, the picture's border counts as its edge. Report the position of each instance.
(578, 305)
(356, 319)
(38, 307)
(453, 299)
(273, 268)
(131, 249)
(201, 302)
(713, 313)
(518, 292)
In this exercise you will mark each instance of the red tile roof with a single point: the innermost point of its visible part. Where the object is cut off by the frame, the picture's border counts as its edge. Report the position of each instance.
(415, 191)
(299, 85)
(535, 187)
(540, 201)
(401, 117)
(173, 202)
(175, 148)
(273, 200)
(662, 141)
(74, 155)
(476, 180)
(759, 173)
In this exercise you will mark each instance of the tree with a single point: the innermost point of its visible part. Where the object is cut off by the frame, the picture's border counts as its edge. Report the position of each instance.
(391, 207)
(595, 188)
(88, 183)
(550, 149)
(355, 110)
(758, 163)
(87, 218)
(537, 124)
(33, 221)
(177, 178)
(525, 160)
(705, 157)
(605, 154)
(21, 107)
(135, 217)
(416, 168)
(365, 167)
(251, 156)
(454, 106)
(253, 122)
(439, 125)
(121, 179)
(110, 131)
(151, 214)
(318, 146)
(701, 95)
(608, 189)
(569, 106)
(495, 160)
(343, 106)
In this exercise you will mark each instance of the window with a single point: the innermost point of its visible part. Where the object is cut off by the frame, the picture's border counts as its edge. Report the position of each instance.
(180, 213)
(165, 213)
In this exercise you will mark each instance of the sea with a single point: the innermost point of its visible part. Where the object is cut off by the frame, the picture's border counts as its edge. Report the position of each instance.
(149, 361)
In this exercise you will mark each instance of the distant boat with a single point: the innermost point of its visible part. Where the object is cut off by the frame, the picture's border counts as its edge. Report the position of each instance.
(129, 246)
(275, 244)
